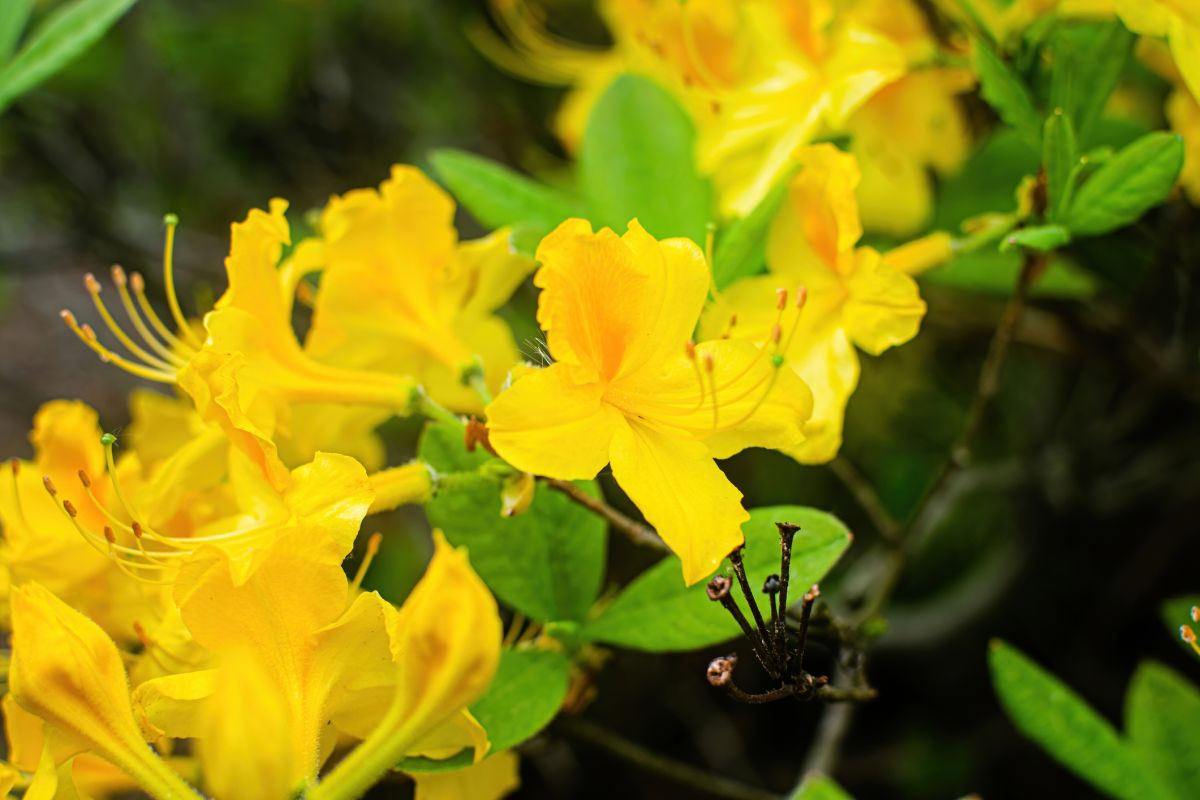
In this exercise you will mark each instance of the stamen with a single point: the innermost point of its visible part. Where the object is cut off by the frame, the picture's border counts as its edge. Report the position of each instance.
(122, 284)
(138, 283)
(172, 221)
(514, 631)
(780, 299)
(728, 332)
(710, 366)
(93, 288)
(368, 557)
(15, 471)
(1188, 635)
(49, 484)
(88, 337)
(801, 301)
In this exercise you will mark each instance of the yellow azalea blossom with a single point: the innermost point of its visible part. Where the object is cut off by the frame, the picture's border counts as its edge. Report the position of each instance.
(400, 294)
(907, 128)
(491, 779)
(248, 370)
(1183, 112)
(1176, 20)
(853, 296)
(300, 658)
(618, 312)
(68, 672)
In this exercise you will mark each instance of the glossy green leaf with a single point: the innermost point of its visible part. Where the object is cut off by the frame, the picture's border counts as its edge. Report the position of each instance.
(817, 786)
(1004, 92)
(13, 16)
(638, 162)
(1088, 61)
(1162, 720)
(1041, 238)
(497, 196)
(1059, 157)
(1066, 727)
(1138, 177)
(65, 33)
(526, 693)
(546, 562)
(657, 613)
(741, 248)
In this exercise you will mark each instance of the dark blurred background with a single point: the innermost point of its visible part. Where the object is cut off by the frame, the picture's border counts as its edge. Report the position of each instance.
(1075, 521)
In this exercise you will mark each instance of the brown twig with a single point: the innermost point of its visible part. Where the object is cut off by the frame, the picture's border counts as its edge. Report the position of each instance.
(866, 496)
(684, 774)
(633, 530)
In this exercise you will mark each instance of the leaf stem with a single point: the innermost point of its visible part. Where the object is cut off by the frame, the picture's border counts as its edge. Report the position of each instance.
(634, 531)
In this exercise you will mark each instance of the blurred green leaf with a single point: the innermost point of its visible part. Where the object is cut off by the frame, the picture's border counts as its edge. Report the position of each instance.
(994, 272)
(497, 196)
(526, 693)
(1058, 157)
(62, 36)
(13, 16)
(741, 249)
(460, 760)
(1004, 92)
(1162, 720)
(1137, 178)
(637, 162)
(1041, 238)
(819, 787)
(1066, 727)
(546, 562)
(1177, 611)
(657, 613)
(1088, 61)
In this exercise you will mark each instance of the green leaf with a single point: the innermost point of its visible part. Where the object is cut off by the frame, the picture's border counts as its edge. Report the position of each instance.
(994, 272)
(1003, 91)
(1041, 238)
(657, 613)
(13, 16)
(460, 760)
(741, 248)
(65, 33)
(526, 693)
(1162, 719)
(1059, 157)
(1176, 612)
(819, 787)
(637, 161)
(1066, 727)
(546, 562)
(497, 196)
(1138, 177)
(1088, 61)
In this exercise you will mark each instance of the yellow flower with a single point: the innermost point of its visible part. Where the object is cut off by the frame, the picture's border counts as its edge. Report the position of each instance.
(1178, 21)
(491, 779)
(1183, 112)
(853, 296)
(618, 312)
(400, 294)
(249, 369)
(68, 672)
(915, 124)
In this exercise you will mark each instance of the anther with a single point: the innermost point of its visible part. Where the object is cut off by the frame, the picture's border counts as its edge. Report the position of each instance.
(689, 349)
(137, 282)
(90, 282)
(15, 465)
(85, 480)
(780, 299)
(118, 275)
(70, 508)
(776, 334)
(67, 317)
(801, 296)
(1187, 634)
(49, 484)
(720, 670)
(710, 363)
(109, 536)
(1195, 613)
(141, 634)
(90, 335)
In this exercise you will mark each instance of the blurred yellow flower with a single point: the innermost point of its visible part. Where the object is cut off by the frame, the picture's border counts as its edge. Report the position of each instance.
(854, 297)
(1183, 112)
(628, 387)
(400, 294)
(1176, 20)
(490, 779)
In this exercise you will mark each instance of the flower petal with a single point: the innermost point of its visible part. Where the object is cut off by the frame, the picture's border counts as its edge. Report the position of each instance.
(884, 308)
(682, 493)
(828, 364)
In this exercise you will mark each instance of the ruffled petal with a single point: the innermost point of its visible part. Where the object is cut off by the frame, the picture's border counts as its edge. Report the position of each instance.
(828, 364)
(884, 307)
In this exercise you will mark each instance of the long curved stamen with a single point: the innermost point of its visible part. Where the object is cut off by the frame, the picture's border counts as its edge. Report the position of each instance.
(15, 470)
(172, 221)
(109, 547)
(801, 301)
(138, 284)
(93, 287)
(369, 556)
(108, 440)
(88, 337)
(131, 311)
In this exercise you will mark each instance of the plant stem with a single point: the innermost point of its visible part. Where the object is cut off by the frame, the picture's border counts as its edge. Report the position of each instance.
(866, 496)
(684, 774)
(633, 530)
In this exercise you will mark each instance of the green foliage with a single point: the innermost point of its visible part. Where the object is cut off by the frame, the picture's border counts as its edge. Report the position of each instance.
(546, 562)
(1059, 157)
(638, 161)
(1041, 238)
(741, 249)
(1138, 177)
(657, 613)
(498, 196)
(1162, 717)
(60, 38)
(13, 16)
(1088, 61)
(1003, 90)
(1067, 728)
(819, 787)
(526, 693)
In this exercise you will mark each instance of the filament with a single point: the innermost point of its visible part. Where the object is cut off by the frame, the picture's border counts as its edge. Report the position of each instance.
(368, 557)
(135, 318)
(169, 280)
(93, 288)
